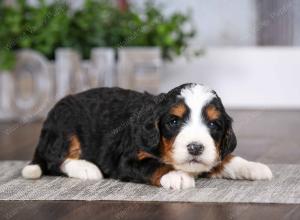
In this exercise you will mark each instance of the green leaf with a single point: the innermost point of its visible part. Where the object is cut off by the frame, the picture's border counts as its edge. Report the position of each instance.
(7, 60)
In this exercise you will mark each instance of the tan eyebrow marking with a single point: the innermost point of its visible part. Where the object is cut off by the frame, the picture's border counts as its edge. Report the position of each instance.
(178, 110)
(212, 112)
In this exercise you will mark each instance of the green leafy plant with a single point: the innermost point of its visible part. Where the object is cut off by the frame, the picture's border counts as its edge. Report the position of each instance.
(166, 32)
(46, 26)
(41, 28)
(99, 23)
(87, 27)
(10, 29)
(111, 27)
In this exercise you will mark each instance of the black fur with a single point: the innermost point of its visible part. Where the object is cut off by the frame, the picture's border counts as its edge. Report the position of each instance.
(222, 131)
(113, 125)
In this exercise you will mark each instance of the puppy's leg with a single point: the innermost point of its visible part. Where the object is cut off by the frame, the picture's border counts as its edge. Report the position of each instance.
(234, 167)
(51, 148)
(153, 172)
(81, 169)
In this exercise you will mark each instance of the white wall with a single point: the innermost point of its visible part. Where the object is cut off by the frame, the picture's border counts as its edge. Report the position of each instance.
(297, 23)
(218, 22)
(248, 77)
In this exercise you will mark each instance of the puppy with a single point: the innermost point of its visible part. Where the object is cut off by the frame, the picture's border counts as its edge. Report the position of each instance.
(165, 140)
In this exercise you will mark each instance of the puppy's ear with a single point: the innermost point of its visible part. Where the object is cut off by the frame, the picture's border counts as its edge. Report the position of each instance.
(145, 127)
(229, 141)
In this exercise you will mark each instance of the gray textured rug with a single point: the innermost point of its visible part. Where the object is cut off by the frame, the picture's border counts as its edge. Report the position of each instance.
(284, 188)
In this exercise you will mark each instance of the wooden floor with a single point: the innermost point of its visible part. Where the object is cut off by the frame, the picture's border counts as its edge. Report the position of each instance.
(265, 136)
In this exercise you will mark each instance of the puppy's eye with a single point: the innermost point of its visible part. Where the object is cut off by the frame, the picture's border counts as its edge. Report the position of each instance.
(212, 125)
(174, 122)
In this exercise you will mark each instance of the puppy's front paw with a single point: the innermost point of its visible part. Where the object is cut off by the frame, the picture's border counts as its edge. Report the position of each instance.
(177, 180)
(256, 171)
(239, 168)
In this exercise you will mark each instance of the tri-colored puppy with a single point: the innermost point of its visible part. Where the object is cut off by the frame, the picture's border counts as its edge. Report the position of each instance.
(165, 140)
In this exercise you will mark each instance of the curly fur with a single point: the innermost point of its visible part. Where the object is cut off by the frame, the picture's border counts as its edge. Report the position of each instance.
(113, 126)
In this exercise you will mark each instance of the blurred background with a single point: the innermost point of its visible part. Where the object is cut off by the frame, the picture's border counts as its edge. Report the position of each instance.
(248, 51)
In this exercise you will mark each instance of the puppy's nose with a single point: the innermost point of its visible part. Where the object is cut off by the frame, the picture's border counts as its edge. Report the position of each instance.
(195, 149)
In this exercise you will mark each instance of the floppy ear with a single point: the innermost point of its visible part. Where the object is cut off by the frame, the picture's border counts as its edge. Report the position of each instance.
(145, 128)
(229, 141)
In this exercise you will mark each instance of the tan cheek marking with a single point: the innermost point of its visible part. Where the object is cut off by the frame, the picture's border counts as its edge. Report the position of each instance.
(212, 113)
(155, 178)
(219, 168)
(179, 110)
(166, 146)
(74, 151)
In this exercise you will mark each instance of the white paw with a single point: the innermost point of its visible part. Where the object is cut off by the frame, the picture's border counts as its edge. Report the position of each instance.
(256, 171)
(32, 171)
(177, 180)
(240, 168)
(81, 169)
